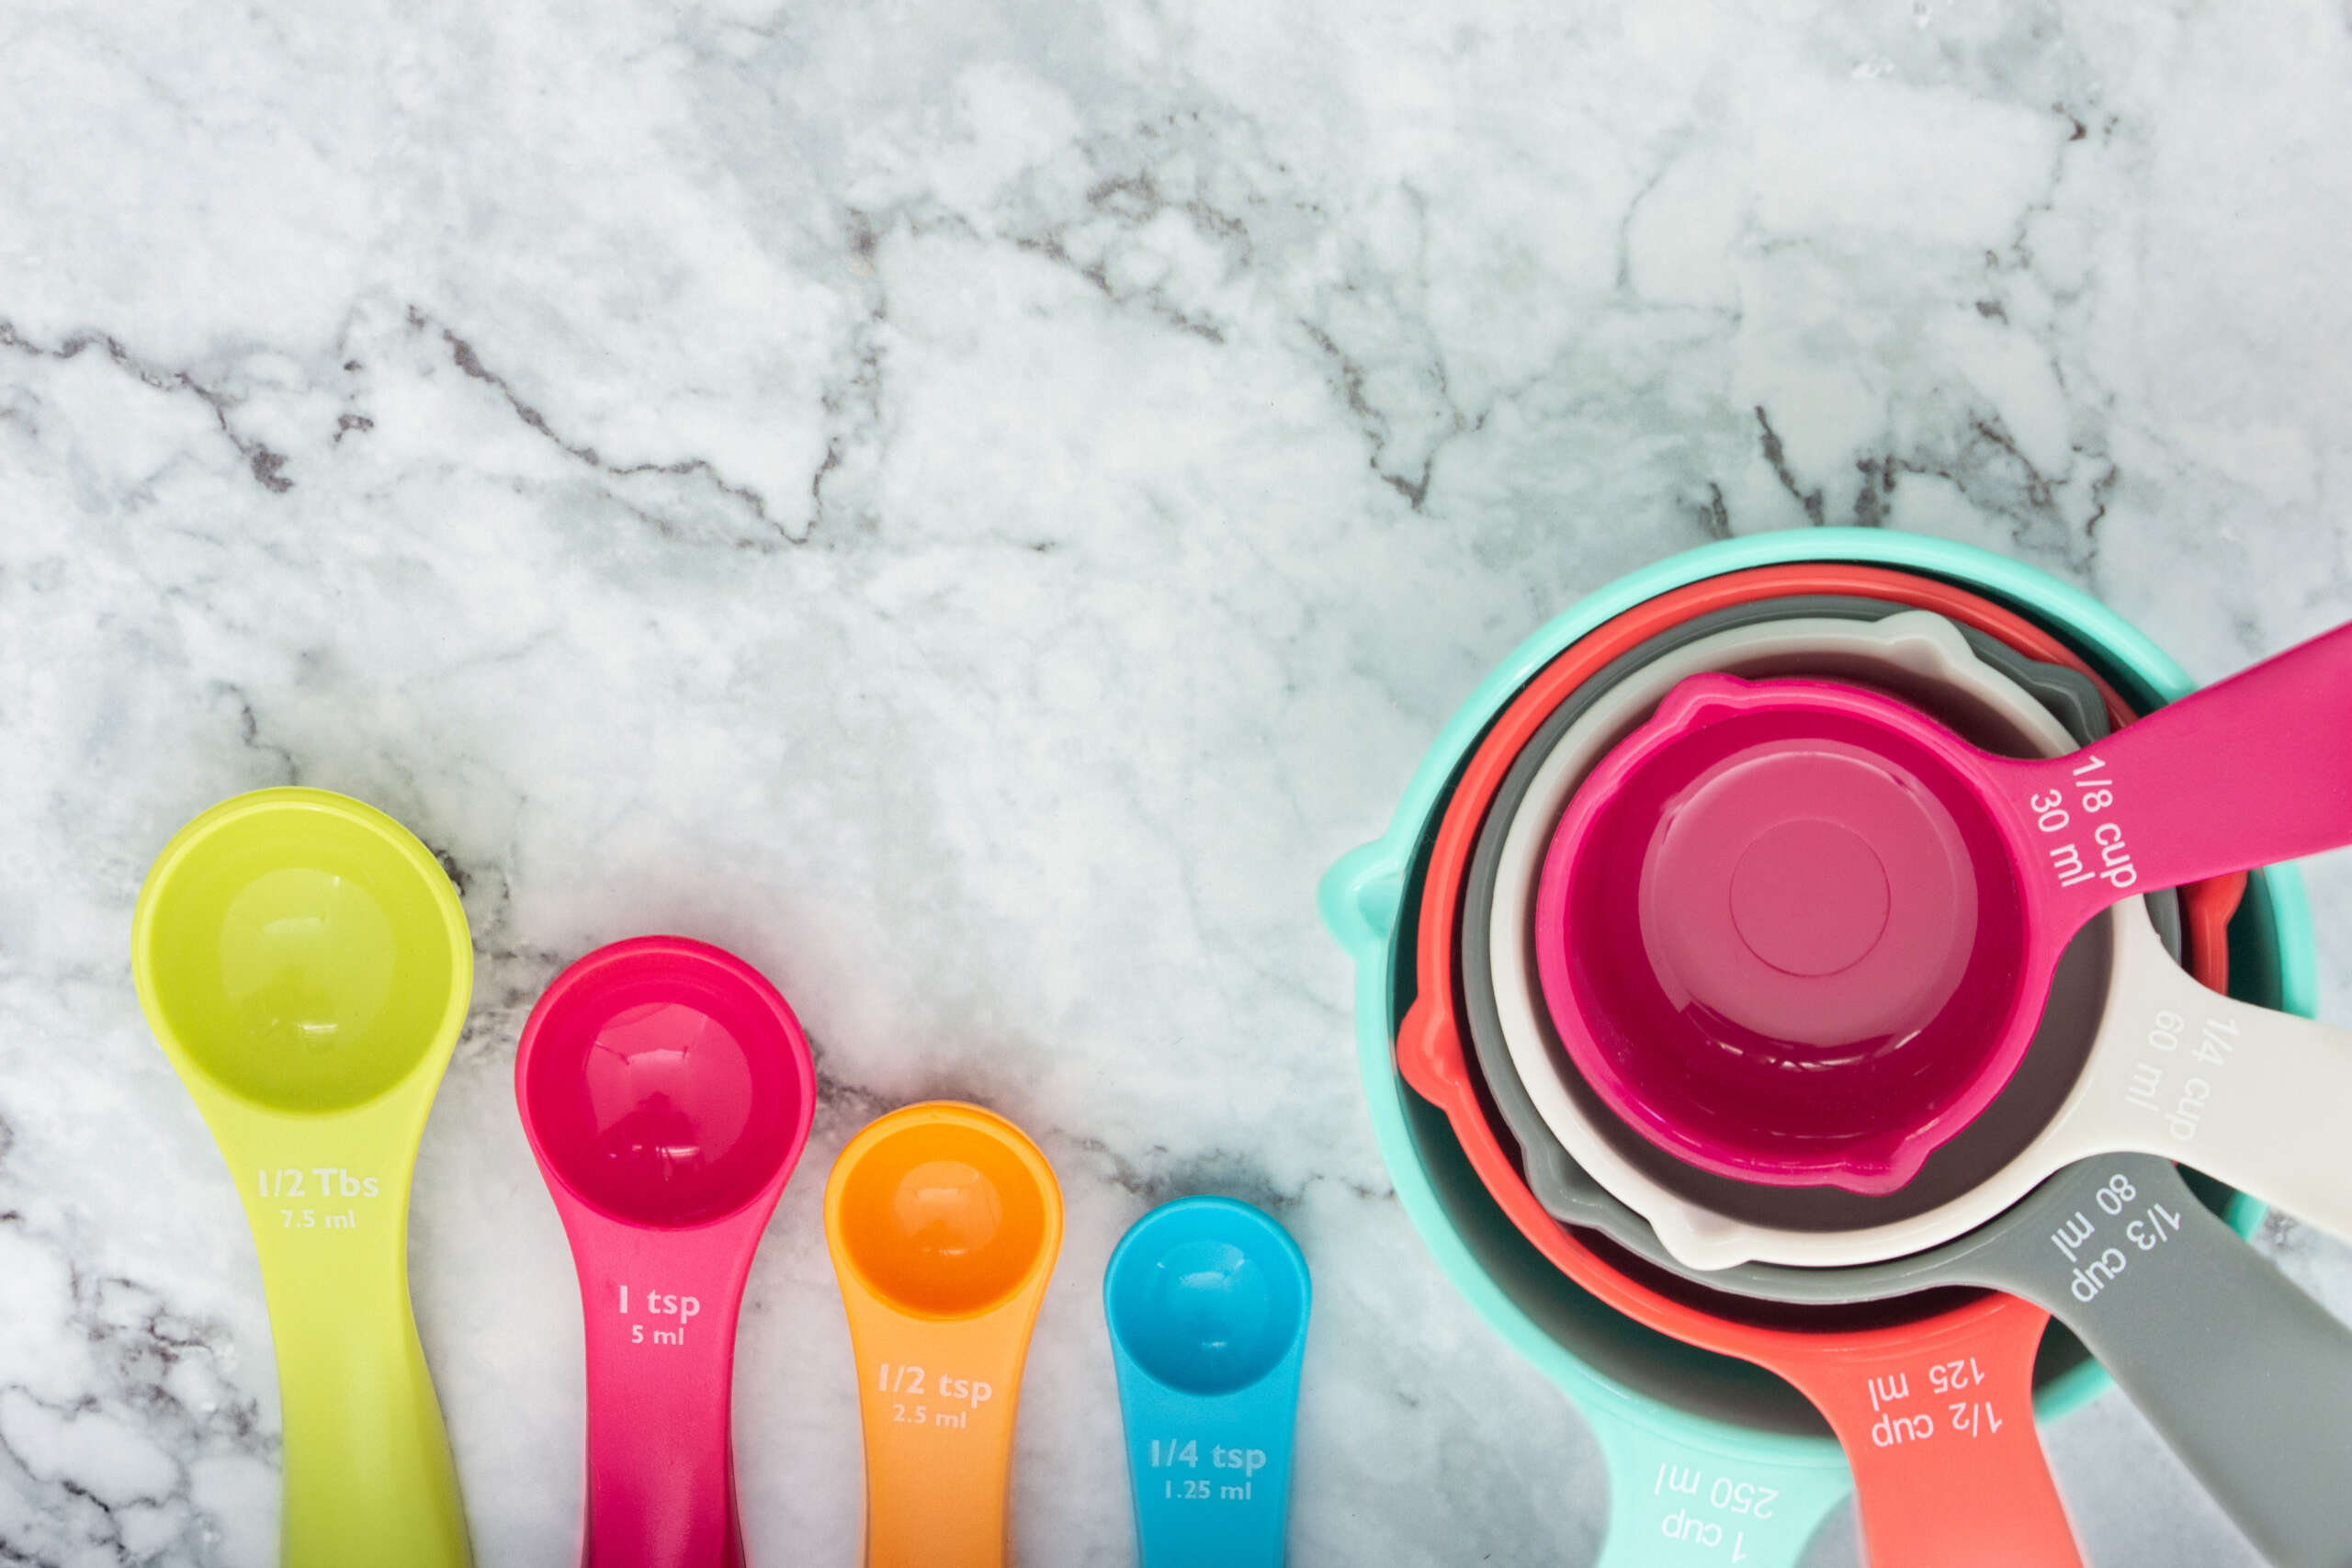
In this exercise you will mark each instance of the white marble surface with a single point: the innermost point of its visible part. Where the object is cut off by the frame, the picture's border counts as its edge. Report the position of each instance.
(974, 505)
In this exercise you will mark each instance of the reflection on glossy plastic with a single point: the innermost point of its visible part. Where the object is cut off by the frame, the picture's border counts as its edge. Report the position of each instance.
(667, 1090)
(1207, 1300)
(305, 966)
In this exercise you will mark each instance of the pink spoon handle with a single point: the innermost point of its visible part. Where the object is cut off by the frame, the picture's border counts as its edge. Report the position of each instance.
(659, 1311)
(2251, 770)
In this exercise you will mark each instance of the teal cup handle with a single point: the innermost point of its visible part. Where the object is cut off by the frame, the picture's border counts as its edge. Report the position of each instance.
(1680, 1497)
(1206, 1300)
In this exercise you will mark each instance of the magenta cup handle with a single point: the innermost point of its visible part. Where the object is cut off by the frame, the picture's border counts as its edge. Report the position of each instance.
(659, 1311)
(2250, 771)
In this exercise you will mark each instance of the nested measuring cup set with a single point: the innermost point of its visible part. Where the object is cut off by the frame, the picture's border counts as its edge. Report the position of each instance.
(306, 965)
(1814, 965)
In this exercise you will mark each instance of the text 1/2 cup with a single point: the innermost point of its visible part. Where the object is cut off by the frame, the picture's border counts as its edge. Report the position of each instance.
(1864, 1372)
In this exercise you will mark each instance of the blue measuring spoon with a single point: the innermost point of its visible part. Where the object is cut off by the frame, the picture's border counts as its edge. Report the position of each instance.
(1207, 1301)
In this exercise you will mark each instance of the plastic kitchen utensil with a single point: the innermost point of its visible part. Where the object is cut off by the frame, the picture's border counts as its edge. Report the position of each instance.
(1703, 1218)
(2120, 1249)
(1752, 639)
(1812, 929)
(666, 1090)
(943, 1222)
(1206, 1301)
(1711, 1223)
(2247, 1095)
(2259, 1417)
(1575, 683)
(1919, 1501)
(1665, 1414)
(305, 964)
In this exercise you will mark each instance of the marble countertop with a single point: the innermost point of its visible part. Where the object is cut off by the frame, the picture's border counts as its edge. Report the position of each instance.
(974, 505)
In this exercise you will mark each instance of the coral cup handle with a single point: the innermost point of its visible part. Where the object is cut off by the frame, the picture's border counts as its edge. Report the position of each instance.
(1949, 1471)
(2248, 771)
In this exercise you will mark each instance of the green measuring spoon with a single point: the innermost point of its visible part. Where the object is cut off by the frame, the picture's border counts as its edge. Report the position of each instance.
(305, 964)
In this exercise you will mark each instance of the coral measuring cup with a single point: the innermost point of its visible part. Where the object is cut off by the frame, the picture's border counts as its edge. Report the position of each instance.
(305, 964)
(1798, 933)
(1931, 1401)
(667, 1090)
(943, 1222)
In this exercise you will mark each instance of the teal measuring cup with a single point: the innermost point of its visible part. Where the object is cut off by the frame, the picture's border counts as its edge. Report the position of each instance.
(1206, 1300)
(1711, 1460)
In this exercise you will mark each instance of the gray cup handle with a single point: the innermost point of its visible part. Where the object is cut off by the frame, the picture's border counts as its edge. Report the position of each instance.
(2248, 1378)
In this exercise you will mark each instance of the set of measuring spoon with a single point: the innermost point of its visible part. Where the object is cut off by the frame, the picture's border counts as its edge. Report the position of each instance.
(305, 963)
(1807, 942)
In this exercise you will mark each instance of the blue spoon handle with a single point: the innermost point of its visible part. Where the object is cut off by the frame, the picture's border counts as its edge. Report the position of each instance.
(1211, 1476)
(1685, 1497)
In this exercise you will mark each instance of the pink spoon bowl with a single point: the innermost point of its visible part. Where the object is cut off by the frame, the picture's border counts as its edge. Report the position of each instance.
(667, 1090)
(1800, 933)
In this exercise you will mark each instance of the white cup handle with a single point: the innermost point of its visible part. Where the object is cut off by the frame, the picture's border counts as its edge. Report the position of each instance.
(2250, 1096)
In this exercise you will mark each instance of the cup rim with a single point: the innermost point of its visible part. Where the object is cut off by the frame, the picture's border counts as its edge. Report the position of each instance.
(1519, 1009)
(1362, 895)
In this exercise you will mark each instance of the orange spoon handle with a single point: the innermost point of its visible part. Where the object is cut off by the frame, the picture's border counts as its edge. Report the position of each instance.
(1949, 1470)
(943, 1220)
(938, 1401)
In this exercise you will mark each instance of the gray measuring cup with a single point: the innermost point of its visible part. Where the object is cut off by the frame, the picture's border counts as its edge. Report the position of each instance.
(2116, 1247)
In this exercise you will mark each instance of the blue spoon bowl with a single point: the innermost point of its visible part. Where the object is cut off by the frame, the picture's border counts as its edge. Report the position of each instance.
(1206, 1300)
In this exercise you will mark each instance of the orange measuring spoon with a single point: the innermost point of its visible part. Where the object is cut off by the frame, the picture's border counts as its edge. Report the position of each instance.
(943, 1222)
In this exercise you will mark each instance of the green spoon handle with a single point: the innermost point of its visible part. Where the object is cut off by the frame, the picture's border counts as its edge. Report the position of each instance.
(370, 1481)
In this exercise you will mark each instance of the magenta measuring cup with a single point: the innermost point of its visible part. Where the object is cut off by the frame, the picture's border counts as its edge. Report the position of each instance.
(1798, 933)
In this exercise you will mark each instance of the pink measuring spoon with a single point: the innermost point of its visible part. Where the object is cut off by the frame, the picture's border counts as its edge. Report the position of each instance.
(1800, 933)
(667, 1090)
